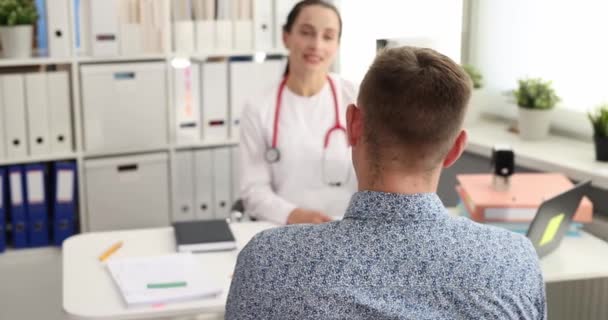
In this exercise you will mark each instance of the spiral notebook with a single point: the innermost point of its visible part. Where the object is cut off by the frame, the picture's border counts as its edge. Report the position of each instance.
(162, 279)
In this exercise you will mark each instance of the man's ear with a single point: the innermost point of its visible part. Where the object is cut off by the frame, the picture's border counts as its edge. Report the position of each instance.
(354, 124)
(456, 149)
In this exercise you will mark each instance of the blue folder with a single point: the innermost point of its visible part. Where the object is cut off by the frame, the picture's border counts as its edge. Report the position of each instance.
(17, 207)
(64, 201)
(36, 176)
(41, 28)
(3, 193)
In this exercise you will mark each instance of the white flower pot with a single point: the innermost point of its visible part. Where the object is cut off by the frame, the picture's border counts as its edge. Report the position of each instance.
(534, 123)
(476, 104)
(17, 41)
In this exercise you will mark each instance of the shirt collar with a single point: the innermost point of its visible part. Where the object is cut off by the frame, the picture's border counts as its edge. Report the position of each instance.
(395, 206)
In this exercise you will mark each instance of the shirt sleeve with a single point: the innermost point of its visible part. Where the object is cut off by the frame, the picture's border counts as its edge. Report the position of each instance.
(259, 198)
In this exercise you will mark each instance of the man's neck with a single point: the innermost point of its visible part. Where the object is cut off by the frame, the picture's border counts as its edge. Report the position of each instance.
(306, 84)
(396, 182)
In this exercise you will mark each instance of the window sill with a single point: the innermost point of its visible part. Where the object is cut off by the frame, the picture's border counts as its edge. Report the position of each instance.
(573, 157)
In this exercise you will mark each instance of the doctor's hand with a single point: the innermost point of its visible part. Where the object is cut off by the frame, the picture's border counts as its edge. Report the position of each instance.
(299, 215)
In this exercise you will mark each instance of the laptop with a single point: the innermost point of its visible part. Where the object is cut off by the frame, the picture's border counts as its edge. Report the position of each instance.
(554, 217)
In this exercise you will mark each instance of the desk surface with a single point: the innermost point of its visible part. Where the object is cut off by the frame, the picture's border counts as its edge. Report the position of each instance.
(90, 293)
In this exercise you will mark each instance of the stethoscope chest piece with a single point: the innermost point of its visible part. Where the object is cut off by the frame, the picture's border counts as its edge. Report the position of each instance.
(273, 155)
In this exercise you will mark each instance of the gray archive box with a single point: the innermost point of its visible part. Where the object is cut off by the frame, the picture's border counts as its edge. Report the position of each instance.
(124, 106)
(128, 192)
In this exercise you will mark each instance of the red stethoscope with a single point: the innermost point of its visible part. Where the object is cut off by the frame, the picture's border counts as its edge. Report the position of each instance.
(273, 155)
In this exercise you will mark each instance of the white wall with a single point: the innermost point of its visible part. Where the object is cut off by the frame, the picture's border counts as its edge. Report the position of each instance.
(437, 21)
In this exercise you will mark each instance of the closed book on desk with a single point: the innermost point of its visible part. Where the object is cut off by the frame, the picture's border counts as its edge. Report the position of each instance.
(204, 236)
(520, 203)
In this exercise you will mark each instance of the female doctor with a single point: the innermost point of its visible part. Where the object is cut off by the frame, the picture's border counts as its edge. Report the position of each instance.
(295, 160)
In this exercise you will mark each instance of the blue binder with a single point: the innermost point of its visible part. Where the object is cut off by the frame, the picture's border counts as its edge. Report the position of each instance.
(2, 210)
(77, 41)
(41, 28)
(36, 176)
(64, 201)
(17, 207)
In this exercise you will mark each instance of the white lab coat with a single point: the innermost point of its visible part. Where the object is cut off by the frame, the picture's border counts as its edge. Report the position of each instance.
(272, 190)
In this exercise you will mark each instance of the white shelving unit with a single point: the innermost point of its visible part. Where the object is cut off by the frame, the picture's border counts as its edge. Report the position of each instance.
(206, 144)
(32, 159)
(34, 61)
(124, 152)
(79, 152)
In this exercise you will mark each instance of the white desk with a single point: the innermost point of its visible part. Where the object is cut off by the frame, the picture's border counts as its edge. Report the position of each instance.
(577, 258)
(89, 292)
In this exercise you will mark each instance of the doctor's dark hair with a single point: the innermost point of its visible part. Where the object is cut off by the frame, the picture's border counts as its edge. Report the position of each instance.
(297, 9)
(295, 12)
(413, 102)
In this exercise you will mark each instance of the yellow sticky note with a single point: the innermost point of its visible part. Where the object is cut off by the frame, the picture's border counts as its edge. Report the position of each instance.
(551, 229)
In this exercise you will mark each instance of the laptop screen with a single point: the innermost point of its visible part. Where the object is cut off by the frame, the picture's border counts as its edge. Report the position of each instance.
(554, 217)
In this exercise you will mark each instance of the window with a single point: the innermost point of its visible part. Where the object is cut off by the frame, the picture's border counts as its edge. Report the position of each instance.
(562, 41)
(418, 21)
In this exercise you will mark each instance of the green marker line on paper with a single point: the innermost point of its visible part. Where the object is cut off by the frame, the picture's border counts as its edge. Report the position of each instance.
(166, 285)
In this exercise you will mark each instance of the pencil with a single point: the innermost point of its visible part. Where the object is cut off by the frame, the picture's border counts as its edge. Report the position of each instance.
(110, 251)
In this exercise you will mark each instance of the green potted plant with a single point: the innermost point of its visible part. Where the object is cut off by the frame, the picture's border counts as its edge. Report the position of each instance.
(599, 121)
(477, 100)
(536, 98)
(17, 18)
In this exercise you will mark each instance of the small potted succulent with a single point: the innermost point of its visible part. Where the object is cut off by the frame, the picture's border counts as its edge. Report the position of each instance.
(599, 121)
(17, 19)
(535, 99)
(476, 102)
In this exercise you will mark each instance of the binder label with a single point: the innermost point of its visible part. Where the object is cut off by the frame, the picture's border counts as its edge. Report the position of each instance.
(65, 186)
(35, 187)
(16, 191)
(216, 123)
(106, 37)
(188, 77)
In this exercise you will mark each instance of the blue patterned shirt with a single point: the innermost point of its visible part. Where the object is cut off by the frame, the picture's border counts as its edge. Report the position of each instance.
(392, 257)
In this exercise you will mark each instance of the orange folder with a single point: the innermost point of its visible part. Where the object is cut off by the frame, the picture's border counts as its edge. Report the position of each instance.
(520, 202)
